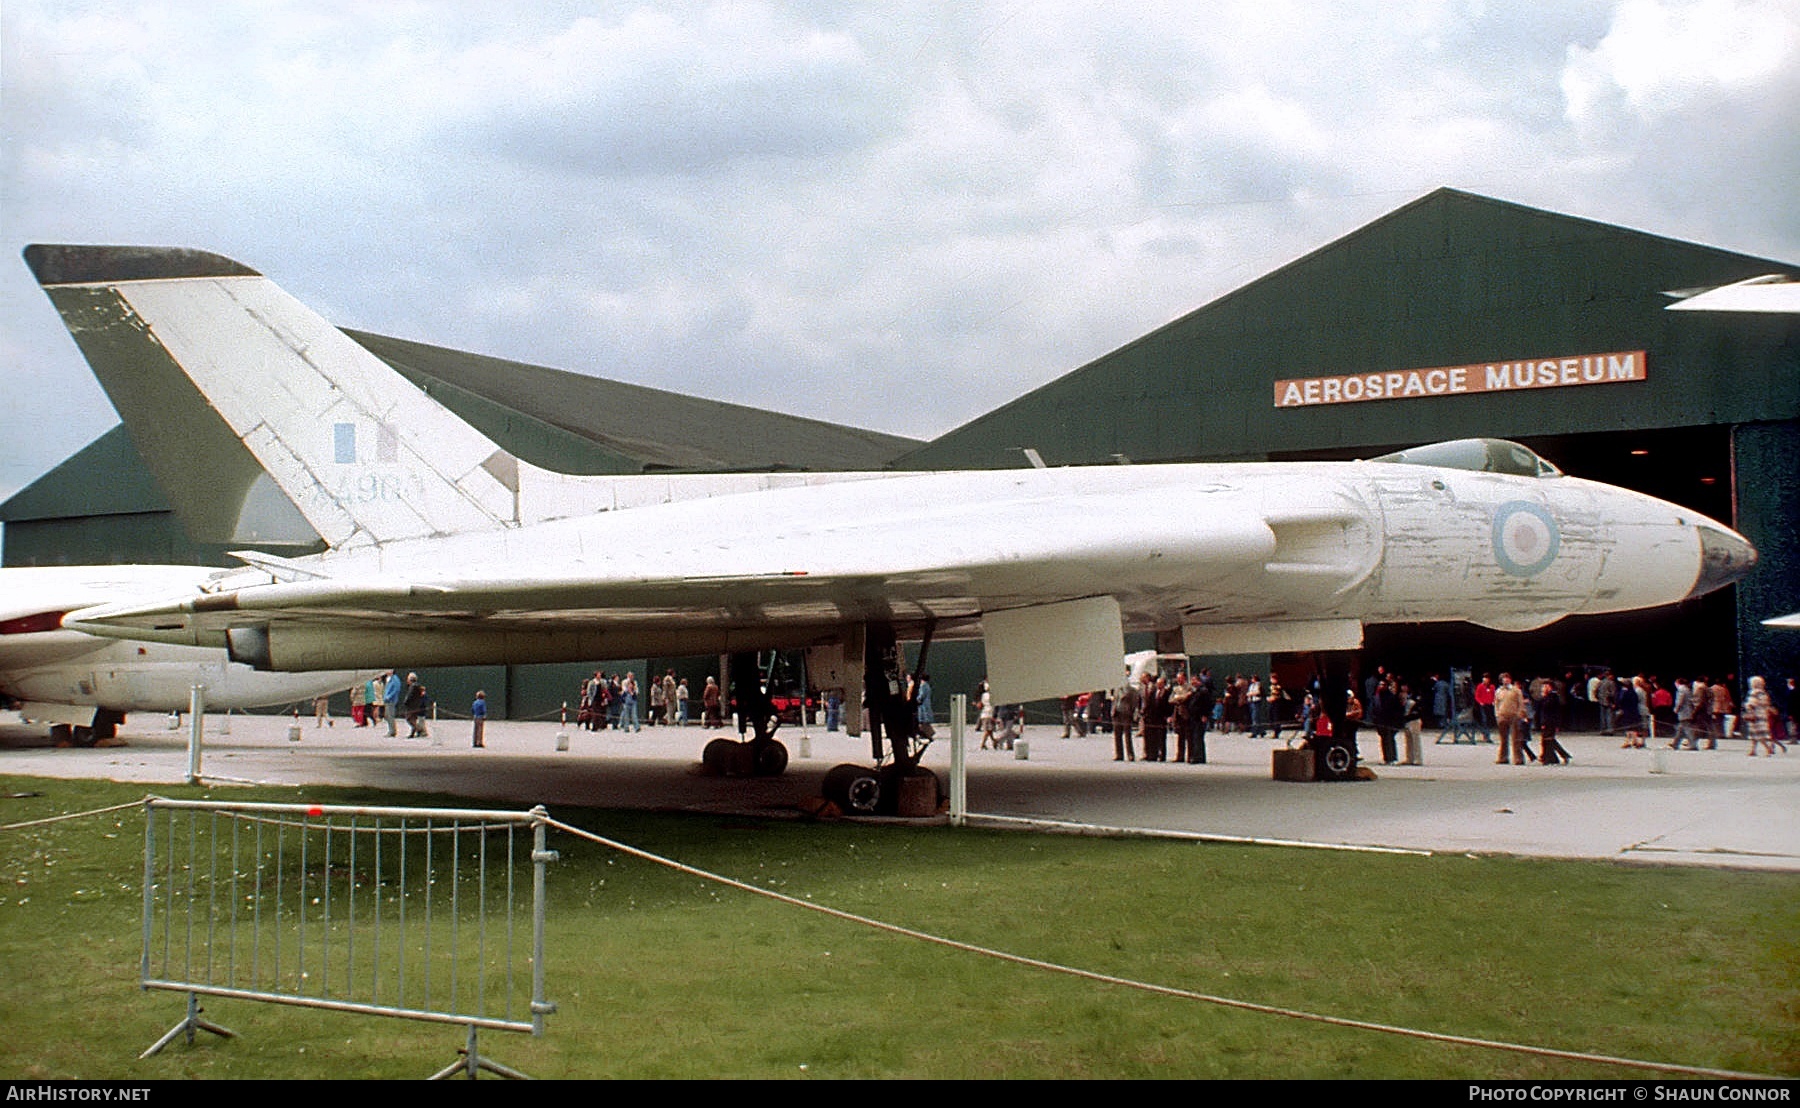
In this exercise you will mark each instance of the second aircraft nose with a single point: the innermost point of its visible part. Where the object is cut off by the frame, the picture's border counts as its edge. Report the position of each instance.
(1725, 556)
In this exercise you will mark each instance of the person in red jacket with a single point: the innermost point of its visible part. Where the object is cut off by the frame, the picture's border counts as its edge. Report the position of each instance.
(1484, 707)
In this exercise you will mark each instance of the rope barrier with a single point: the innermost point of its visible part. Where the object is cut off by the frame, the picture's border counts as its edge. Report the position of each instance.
(1162, 990)
(1077, 972)
(70, 815)
(1102, 830)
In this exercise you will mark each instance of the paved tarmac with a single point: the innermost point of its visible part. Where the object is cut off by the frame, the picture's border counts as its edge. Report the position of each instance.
(1712, 808)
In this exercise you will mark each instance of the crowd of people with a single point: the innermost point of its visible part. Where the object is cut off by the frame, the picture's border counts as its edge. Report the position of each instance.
(613, 701)
(386, 697)
(1158, 711)
(1168, 715)
(1177, 709)
(1640, 709)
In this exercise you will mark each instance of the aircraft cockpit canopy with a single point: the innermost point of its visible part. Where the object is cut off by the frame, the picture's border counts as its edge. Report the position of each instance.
(1477, 455)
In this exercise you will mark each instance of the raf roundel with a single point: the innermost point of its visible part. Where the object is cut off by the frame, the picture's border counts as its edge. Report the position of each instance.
(1525, 538)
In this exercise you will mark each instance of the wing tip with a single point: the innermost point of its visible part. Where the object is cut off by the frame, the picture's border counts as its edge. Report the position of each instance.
(69, 264)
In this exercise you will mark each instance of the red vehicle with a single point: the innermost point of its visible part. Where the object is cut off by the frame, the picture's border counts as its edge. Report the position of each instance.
(788, 706)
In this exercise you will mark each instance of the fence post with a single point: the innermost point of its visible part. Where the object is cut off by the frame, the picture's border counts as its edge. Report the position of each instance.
(196, 730)
(959, 749)
(541, 857)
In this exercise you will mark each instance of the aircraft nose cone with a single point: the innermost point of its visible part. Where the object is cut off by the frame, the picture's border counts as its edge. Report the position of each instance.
(1725, 556)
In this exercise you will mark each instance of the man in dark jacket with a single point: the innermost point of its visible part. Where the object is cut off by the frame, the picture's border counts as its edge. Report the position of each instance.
(1388, 714)
(1200, 710)
(1156, 720)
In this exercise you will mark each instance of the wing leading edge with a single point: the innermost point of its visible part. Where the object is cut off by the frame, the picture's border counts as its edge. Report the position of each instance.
(795, 590)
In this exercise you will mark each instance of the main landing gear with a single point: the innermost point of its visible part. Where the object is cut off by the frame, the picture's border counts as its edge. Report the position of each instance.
(902, 786)
(760, 755)
(895, 785)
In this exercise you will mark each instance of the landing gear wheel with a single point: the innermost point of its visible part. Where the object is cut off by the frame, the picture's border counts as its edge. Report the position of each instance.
(768, 759)
(731, 758)
(855, 789)
(1338, 760)
(62, 734)
(720, 757)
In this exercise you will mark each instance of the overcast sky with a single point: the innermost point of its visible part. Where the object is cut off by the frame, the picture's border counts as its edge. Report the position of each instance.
(894, 215)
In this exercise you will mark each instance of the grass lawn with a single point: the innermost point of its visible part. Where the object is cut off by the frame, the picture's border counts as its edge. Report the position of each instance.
(659, 974)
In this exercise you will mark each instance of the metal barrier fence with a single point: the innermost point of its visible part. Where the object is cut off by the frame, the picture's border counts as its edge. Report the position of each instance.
(411, 912)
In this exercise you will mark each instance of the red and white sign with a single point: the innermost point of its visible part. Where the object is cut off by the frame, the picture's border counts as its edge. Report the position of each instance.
(1457, 380)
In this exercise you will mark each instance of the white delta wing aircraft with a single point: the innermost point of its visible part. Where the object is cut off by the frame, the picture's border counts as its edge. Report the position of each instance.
(84, 686)
(444, 549)
(1775, 293)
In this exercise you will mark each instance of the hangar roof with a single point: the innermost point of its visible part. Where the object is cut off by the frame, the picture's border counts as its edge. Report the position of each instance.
(104, 478)
(1449, 280)
(639, 428)
(564, 421)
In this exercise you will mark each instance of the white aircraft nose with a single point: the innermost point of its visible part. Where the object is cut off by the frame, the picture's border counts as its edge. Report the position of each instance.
(1725, 556)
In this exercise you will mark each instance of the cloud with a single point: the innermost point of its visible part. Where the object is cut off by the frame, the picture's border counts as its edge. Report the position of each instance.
(896, 216)
(656, 95)
(1685, 116)
(1664, 56)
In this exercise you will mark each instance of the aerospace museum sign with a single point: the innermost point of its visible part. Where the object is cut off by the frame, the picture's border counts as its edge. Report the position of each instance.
(1532, 373)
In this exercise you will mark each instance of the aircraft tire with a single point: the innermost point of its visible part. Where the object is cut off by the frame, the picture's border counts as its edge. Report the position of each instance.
(769, 759)
(720, 757)
(62, 734)
(853, 788)
(1336, 762)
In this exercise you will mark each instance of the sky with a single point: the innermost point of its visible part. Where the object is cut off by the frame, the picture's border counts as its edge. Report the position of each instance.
(895, 215)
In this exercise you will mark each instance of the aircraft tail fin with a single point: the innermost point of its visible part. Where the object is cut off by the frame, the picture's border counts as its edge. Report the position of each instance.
(232, 390)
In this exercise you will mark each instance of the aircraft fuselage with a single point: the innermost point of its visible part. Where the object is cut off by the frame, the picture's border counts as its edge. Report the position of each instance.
(1275, 544)
(64, 676)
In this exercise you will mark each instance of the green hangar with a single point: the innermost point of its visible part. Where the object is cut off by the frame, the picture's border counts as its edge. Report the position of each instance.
(1459, 316)
(1455, 316)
